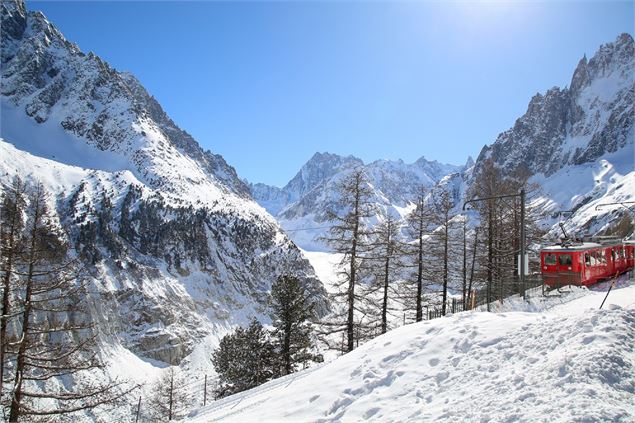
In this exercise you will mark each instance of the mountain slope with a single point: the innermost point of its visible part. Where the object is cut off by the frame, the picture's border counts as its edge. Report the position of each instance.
(176, 248)
(472, 366)
(578, 142)
(301, 205)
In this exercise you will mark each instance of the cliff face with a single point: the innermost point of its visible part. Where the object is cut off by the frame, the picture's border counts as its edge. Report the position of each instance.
(176, 248)
(575, 125)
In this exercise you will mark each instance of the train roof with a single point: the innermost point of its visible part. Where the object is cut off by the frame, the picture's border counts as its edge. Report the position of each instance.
(573, 247)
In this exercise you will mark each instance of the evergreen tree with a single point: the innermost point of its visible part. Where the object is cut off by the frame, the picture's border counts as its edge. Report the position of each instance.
(244, 359)
(292, 328)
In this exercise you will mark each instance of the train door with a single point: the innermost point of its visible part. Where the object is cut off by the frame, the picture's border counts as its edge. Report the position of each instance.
(587, 267)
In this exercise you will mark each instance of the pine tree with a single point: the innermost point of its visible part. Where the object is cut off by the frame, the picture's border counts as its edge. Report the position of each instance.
(292, 328)
(244, 359)
(348, 237)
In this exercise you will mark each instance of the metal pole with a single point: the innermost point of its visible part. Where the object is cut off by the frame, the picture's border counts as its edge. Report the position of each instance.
(464, 260)
(205, 392)
(522, 242)
(607, 293)
(138, 409)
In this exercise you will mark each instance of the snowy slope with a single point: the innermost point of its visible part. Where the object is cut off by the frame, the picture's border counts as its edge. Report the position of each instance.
(570, 362)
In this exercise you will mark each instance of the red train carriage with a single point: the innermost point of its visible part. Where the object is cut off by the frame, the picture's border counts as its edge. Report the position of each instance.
(584, 263)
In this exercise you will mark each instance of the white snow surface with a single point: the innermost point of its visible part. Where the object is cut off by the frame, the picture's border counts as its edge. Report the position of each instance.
(565, 360)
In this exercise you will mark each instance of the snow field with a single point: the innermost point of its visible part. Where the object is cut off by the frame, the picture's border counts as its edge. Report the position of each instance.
(570, 362)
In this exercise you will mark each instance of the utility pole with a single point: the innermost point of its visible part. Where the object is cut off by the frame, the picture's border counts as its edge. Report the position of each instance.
(464, 259)
(522, 235)
(522, 241)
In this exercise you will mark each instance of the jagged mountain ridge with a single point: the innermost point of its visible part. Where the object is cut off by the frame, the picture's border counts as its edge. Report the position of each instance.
(578, 143)
(176, 248)
(53, 81)
(575, 125)
(302, 203)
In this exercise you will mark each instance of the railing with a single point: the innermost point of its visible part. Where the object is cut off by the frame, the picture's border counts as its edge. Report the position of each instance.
(498, 292)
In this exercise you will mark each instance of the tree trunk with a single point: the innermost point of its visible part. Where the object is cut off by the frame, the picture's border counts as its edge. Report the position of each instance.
(9, 253)
(419, 307)
(14, 414)
(350, 326)
(445, 266)
(384, 308)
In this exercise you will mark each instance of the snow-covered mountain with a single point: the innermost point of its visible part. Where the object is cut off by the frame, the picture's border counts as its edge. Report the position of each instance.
(177, 249)
(578, 142)
(301, 205)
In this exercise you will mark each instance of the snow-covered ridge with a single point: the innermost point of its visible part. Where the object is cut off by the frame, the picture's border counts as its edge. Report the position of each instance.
(563, 362)
(49, 83)
(575, 125)
(302, 203)
(178, 250)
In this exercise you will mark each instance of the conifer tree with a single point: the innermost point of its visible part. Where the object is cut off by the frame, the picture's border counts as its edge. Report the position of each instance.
(292, 333)
(170, 399)
(385, 260)
(244, 359)
(11, 225)
(418, 222)
(348, 236)
(442, 240)
(49, 334)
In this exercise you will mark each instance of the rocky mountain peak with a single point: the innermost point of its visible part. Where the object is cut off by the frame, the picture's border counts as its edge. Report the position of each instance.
(580, 77)
(320, 167)
(578, 124)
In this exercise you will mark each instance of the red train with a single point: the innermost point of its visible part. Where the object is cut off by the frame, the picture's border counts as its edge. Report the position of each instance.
(585, 263)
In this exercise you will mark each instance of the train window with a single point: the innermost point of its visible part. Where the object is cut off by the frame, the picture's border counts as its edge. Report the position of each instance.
(587, 259)
(550, 259)
(564, 259)
(602, 257)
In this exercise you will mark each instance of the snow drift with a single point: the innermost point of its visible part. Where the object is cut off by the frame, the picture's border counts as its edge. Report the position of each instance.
(567, 362)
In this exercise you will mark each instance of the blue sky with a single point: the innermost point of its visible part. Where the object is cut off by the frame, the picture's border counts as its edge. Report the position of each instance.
(267, 84)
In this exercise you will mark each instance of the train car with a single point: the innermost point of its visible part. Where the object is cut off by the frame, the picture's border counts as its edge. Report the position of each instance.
(629, 248)
(584, 263)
